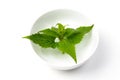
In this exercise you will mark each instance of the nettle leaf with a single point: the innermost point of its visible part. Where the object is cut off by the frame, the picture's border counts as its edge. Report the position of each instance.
(66, 47)
(68, 32)
(54, 29)
(42, 40)
(68, 38)
(84, 29)
(77, 35)
(50, 32)
(60, 28)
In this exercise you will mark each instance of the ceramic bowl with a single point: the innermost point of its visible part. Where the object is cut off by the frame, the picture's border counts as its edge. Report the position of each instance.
(84, 50)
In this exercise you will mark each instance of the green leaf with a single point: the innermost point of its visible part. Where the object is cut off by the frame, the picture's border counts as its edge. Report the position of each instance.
(68, 38)
(84, 29)
(42, 40)
(54, 29)
(77, 35)
(61, 30)
(60, 27)
(66, 47)
(68, 32)
(50, 32)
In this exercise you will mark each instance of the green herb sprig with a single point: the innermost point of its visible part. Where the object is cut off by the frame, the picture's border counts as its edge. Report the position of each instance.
(68, 38)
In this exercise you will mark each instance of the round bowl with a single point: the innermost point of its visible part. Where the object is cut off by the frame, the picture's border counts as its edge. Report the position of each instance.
(84, 50)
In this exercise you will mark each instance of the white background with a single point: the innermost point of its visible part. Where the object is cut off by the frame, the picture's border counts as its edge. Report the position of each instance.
(18, 61)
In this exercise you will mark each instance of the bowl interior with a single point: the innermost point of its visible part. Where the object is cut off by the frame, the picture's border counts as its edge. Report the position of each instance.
(83, 50)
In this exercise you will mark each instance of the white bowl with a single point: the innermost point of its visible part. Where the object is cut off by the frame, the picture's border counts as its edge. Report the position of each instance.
(84, 50)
